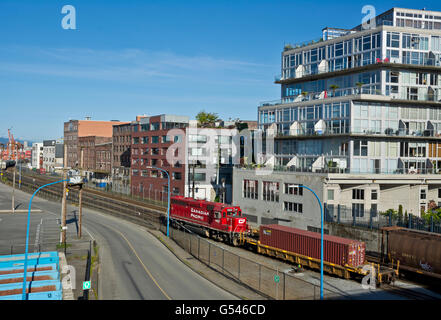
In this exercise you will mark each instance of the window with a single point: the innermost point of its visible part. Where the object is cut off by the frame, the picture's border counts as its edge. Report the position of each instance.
(330, 194)
(423, 194)
(135, 140)
(358, 210)
(177, 176)
(155, 139)
(439, 193)
(292, 207)
(358, 194)
(360, 148)
(250, 189)
(199, 177)
(374, 194)
(271, 191)
(293, 189)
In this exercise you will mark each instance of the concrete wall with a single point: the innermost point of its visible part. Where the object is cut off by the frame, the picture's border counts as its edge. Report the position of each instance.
(264, 211)
(372, 238)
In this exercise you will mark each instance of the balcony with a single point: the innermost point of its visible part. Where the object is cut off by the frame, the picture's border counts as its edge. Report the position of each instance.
(365, 90)
(302, 71)
(358, 131)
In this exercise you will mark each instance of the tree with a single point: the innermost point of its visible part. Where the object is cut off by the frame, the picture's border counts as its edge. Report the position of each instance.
(359, 85)
(333, 88)
(207, 119)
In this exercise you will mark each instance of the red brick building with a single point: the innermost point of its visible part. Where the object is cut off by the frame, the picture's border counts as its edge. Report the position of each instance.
(75, 129)
(149, 148)
(91, 158)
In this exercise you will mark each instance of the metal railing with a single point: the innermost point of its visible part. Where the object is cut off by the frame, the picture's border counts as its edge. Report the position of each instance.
(371, 219)
(368, 131)
(333, 170)
(311, 96)
(407, 60)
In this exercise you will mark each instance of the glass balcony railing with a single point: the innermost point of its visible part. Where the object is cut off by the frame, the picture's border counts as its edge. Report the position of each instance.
(310, 96)
(360, 131)
(308, 70)
(334, 170)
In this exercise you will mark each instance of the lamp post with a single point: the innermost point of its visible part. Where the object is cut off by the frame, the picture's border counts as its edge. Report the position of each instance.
(27, 237)
(321, 239)
(168, 200)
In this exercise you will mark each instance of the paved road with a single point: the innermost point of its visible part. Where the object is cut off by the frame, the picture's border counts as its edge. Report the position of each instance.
(134, 264)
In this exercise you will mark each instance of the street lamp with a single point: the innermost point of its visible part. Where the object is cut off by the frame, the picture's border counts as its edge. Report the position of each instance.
(27, 237)
(168, 202)
(321, 239)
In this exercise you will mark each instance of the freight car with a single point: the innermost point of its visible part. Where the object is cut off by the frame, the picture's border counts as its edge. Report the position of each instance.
(212, 219)
(414, 250)
(343, 257)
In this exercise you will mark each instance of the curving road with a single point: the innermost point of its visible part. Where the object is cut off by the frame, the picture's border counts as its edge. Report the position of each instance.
(134, 265)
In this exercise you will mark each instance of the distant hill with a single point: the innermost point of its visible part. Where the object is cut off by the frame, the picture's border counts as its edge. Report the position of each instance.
(6, 140)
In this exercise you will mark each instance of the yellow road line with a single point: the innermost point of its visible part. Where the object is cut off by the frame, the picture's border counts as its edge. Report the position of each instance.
(145, 268)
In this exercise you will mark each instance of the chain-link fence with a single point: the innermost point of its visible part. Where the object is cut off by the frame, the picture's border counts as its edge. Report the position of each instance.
(270, 282)
(373, 219)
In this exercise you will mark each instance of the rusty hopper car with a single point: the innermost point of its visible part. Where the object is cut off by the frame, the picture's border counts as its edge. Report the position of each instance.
(417, 251)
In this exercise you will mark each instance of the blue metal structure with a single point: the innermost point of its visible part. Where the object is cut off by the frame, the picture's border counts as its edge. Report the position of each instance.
(27, 234)
(321, 239)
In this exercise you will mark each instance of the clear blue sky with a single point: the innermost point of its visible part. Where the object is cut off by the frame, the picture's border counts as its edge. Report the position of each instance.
(151, 57)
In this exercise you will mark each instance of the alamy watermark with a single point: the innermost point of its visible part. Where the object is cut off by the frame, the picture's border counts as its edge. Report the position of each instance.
(70, 18)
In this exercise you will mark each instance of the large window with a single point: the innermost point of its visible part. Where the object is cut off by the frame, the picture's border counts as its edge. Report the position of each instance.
(293, 207)
(270, 191)
(293, 189)
(250, 189)
(358, 194)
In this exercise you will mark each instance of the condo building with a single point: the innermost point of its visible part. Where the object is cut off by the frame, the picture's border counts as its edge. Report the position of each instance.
(359, 116)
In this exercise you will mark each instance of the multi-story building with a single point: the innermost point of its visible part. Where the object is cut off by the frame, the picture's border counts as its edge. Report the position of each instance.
(52, 155)
(37, 155)
(121, 162)
(360, 110)
(202, 159)
(210, 154)
(151, 138)
(74, 129)
(103, 155)
(90, 163)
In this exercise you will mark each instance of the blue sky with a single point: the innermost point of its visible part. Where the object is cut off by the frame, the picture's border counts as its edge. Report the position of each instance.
(150, 57)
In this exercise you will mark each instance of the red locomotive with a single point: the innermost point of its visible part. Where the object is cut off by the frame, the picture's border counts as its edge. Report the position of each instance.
(215, 220)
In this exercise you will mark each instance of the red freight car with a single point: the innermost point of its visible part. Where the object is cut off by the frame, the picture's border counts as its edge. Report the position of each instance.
(216, 220)
(339, 251)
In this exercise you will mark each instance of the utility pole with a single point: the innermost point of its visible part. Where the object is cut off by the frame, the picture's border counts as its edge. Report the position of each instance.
(80, 209)
(13, 191)
(63, 200)
(193, 165)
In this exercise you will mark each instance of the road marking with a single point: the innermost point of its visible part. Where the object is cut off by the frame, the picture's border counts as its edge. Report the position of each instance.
(145, 268)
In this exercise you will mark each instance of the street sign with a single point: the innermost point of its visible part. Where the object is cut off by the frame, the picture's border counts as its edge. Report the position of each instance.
(276, 279)
(86, 285)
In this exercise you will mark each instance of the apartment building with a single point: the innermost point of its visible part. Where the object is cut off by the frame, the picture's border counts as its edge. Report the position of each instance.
(151, 138)
(37, 155)
(53, 154)
(359, 108)
(121, 162)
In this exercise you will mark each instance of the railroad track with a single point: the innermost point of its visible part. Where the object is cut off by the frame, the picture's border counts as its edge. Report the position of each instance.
(407, 293)
(132, 210)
